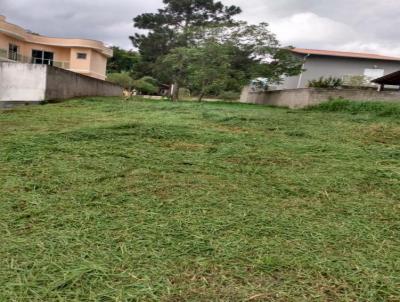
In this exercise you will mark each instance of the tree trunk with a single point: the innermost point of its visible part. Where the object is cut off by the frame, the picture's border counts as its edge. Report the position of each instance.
(201, 96)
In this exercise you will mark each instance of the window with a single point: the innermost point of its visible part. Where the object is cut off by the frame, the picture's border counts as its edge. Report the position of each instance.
(13, 52)
(81, 56)
(374, 73)
(42, 57)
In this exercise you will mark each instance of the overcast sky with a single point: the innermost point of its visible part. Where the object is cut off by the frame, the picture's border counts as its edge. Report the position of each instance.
(353, 25)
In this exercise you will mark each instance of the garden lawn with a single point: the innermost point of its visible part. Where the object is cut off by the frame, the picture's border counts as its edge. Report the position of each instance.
(112, 200)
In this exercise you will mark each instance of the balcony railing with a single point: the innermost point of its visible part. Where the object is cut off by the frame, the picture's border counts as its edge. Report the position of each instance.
(4, 54)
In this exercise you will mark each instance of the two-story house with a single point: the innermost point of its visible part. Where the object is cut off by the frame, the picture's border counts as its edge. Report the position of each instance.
(87, 57)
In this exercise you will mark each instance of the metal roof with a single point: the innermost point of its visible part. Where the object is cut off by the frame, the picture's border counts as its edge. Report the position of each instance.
(389, 79)
(344, 54)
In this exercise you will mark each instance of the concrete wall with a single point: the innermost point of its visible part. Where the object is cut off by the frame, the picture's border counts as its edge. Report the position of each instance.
(326, 66)
(22, 82)
(37, 83)
(304, 97)
(63, 84)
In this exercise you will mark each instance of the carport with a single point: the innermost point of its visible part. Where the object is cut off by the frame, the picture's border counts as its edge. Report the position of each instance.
(392, 79)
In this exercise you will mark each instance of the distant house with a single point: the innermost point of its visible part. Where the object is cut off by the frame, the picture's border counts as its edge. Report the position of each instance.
(348, 66)
(87, 57)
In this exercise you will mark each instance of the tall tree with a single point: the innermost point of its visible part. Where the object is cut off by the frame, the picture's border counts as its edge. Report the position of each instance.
(204, 69)
(172, 26)
(254, 51)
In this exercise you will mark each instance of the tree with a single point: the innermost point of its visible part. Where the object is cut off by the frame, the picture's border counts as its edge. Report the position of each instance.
(180, 33)
(172, 26)
(123, 61)
(210, 71)
(202, 69)
(255, 51)
(175, 67)
(225, 58)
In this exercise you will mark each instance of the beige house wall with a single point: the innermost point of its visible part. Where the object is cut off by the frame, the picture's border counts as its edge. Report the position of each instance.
(97, 64)
(80, 65)
(60, 54)
(4, 41)
(65, 50)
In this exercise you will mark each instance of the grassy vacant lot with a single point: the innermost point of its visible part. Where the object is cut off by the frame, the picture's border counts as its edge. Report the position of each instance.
(108, 200)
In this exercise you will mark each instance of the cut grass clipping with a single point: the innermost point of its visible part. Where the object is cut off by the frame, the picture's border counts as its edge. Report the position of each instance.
(109, 200)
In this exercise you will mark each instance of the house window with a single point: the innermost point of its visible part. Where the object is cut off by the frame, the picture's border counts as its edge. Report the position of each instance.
(13, 52)
(42, 57)
(81, 56)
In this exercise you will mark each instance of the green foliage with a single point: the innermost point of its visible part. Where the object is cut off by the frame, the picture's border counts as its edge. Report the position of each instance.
(146, 85)
(184, 92)
(123, 61)
(103, 199)
(203, 69)
(171, 26)
(251, 50)
(356, 81)
(209, 69)
(228, 57)
(322, 82)
(255, 50)
(150, 80)
(175, 65)
(122, 79)
(353, 107)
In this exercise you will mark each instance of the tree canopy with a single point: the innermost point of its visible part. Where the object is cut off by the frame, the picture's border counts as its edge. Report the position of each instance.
(198, 44)
(122, 60)
(171, 26)
(203, 70)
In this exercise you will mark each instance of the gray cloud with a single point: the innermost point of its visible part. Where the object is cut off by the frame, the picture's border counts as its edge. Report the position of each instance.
(358, 25)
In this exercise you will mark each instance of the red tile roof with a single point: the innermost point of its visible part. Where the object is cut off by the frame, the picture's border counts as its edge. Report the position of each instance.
(344, 54)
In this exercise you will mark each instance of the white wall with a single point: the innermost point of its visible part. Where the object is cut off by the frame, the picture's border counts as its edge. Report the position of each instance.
(22, 82)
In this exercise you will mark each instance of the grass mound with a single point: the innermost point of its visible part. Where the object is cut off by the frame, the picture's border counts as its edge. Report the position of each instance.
(376, 108)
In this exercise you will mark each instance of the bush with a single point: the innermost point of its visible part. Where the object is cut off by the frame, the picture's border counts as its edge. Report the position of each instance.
(184, 93)
(322, 82)
(377, 108)
(356, 81)
(146, 85)
(229, 96)
(150, 80)
(122, 79)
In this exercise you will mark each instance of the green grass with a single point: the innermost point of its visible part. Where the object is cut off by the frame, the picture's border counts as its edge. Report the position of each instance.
(108, 200)
(377, 108)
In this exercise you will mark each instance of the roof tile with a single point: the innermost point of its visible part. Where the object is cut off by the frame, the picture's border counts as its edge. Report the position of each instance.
(344, 54)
